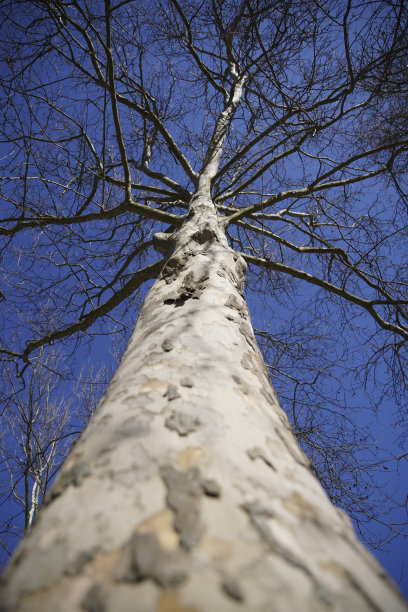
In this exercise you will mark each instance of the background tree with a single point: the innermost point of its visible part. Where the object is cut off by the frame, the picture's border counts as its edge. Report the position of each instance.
(34, 441)
(111, 119)
(43, 412)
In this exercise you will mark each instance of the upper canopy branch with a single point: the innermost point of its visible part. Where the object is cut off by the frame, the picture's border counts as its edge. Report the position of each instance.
(207, 72)
(367, 305)
(317, 185)
(134, 207)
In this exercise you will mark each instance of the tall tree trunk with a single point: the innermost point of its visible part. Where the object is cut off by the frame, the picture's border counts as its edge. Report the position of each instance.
(187, 491)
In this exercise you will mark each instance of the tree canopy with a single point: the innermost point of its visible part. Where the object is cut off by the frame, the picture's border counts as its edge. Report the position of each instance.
(111, 111)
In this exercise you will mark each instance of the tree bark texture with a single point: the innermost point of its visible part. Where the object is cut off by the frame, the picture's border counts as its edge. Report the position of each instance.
(188, 492)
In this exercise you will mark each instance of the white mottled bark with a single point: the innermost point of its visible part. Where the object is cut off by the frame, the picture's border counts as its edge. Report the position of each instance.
(187, 491)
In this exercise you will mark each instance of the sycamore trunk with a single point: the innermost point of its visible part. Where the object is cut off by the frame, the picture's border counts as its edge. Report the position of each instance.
(187, 491)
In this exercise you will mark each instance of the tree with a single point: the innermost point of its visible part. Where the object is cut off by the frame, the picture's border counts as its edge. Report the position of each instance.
(36, 431)
(29, 444)
(220, 136)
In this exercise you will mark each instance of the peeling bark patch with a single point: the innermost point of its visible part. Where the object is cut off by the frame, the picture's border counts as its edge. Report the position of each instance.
(182, 423)
(247, 363)
(241, 268)
(233, 302)
(186, 381)
(173, 267)
(259, 453)
(211, 487)
(243, 388)
(164, 243)
(170, 602)
(76, 566)
(152, 386)
(135, 428)
(74, 476)
(168, 345)
(250, 362)
(232, 588)
(240, 265)
(204, 235)
(258, 516)
(172, 392)
(94, 600)
(190, 457)
(247, 333)
(198, 275)
(301, 508)
(241, 286)
(144, 559)
(192, 286)
(345, 574)
(179, 301)
(186, 293)
(184, 491)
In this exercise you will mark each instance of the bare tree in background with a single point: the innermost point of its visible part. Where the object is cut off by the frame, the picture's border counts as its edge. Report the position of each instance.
(33, 427)
(220, 136)
(36, 431)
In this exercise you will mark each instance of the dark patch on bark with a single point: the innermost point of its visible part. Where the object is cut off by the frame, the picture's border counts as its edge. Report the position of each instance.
(269, 394)
(168, 345)
(94, 600)
(251, 362)
(144, 558)
(233, 302)
(232, 588)
(242, 386)
(259, 453)
(240, 266)
(164, 243)
(246, 331)
(172, 392)
(211, 487)
(173, 267)
(74, 476)
(135, 427)
(200, 274)
(192, 286)
(184, 492)
(240, 269)
(206, 234)
(182, 423)
(78, 564)
(258, 516)
(186, 381)
(241, 285)
(179, 301)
